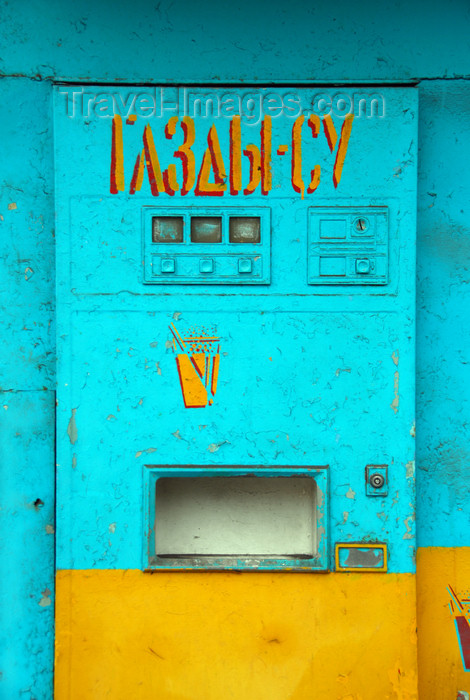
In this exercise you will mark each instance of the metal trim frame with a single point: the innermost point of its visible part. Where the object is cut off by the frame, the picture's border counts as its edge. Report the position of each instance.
(259, 253)
(152, 562)
(360, 545)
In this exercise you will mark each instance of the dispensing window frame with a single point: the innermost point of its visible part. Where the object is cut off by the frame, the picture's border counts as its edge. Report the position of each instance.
(318, 561)
(240, 254)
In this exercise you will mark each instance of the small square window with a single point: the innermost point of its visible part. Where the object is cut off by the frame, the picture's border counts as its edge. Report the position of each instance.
(206, 229)
(167, 229)
(245, 229)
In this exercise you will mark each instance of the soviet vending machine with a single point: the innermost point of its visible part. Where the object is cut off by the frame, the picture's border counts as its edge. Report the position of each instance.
(235, 469)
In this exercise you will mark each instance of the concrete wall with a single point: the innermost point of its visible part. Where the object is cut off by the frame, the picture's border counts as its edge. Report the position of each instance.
(197, 43)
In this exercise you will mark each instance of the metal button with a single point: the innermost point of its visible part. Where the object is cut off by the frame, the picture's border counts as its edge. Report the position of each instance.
(363, 266)
(245, 265)
(168, 265)
(206, 265)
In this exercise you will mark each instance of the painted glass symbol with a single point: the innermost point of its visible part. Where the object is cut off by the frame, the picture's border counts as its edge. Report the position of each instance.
(460, 610)
(197, 359)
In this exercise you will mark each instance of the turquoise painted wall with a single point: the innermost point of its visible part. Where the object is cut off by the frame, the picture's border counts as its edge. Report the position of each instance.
(43, 42)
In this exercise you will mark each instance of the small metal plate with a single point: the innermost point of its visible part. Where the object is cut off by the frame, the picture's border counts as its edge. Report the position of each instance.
(376, 486)
(348, 245)
(361, 557)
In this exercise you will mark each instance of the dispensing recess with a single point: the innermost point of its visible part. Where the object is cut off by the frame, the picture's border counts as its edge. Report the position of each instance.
(234, 518)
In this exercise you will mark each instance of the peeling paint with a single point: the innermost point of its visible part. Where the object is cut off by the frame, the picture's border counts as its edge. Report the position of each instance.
(409, 533)
(147, 451)
(342, 369)
(72, 428)
(404, 682)
(410, 469)
(214, 446)
(396, 399)
(46, 599)
(350, 493)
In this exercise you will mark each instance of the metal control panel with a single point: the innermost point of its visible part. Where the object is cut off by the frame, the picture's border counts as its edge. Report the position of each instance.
(236, 293)
(348, 245)
(200, 245)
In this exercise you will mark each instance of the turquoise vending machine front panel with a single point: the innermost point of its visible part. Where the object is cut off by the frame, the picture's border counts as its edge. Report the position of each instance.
(235, 283)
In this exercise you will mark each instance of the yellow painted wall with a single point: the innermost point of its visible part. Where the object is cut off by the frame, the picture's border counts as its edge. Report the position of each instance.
(126, 635)
(441, 673)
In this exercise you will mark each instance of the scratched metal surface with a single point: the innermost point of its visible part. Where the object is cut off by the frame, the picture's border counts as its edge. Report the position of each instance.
(302, 368)
(27, 397)
(27, 543)
(443, 377)
(63, 44)
(249, 42)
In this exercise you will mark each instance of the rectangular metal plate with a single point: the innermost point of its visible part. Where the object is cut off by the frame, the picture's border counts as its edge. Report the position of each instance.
(361, 557)
(348, 245)
(225, 245)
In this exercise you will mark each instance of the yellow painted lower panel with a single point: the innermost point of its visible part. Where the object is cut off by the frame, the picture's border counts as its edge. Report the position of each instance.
(126, 635)
(441, 671)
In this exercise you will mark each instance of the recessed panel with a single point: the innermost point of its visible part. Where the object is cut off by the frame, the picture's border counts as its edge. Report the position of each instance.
(348, 245)
(235, 516)
(217, 245)
(334, 229)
